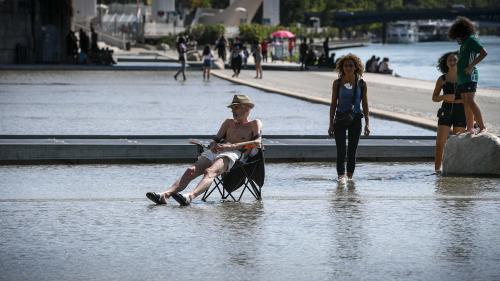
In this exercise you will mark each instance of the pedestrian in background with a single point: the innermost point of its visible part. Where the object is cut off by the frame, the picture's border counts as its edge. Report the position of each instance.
(236, 61)
(257, 55)
(182, 50)
(221, 48)
(207, 62)
(264, 46)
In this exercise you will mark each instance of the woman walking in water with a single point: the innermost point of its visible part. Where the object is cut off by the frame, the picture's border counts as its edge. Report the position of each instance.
(471, 53)
(182, 50)
(349, 91)
(451, 113)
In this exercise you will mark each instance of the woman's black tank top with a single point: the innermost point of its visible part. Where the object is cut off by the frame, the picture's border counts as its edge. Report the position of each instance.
(450, 88)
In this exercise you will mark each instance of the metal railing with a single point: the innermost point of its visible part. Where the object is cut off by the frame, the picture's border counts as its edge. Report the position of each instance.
(112, 40)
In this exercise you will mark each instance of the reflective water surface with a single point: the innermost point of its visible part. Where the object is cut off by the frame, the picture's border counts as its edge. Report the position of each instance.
(394, 222)
(151, 103)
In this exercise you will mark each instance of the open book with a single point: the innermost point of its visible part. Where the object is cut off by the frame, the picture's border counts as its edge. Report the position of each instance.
(203, 144)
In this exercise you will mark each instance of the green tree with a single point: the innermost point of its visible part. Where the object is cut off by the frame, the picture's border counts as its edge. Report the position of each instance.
(292, 11)
(207, 33)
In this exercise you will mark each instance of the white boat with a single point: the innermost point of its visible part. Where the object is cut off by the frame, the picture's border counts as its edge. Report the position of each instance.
(428, 30)
(402, 32)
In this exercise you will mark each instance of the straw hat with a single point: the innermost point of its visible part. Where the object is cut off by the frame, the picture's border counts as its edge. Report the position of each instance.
(241, 99)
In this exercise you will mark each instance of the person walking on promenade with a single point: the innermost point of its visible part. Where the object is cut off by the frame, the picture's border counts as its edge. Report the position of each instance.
(291, 47)
(263, 46)
(471, 53)
(94, 47)
(257, 55)
(303, 53)
(451, 113)
(221, 48)
(236, 61)
(182, 50)
(349, 91)
(71, 47)
(84, 46)
(234, 135)
(207, 62)
(326, 47)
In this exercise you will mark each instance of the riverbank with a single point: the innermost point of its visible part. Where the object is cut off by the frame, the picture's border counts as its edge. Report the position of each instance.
(401, 99)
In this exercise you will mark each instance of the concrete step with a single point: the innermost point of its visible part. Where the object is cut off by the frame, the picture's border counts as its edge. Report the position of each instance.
(49, 149)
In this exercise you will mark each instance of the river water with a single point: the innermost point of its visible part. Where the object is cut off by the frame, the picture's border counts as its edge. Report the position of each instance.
(419, 60)
(396, 221)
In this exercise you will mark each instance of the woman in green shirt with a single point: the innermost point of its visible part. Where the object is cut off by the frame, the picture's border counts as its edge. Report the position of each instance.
(471, 53)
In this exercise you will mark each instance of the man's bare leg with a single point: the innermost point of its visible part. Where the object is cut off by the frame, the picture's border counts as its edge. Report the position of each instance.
(191, 173)
(217, 168)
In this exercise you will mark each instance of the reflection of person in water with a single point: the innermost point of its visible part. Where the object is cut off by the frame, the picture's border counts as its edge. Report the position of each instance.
(348, 223)
(457, 220)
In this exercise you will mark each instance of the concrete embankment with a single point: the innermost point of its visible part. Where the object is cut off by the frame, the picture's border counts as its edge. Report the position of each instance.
(146, 149)
(400, 99)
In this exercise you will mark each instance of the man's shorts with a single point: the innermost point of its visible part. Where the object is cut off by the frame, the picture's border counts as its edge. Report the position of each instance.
(232, 155)
(468, 87)
(452, 114)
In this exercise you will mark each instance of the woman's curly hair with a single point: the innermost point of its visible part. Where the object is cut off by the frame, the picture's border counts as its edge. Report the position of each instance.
(357, 63)
(442, 62)
(461, 29)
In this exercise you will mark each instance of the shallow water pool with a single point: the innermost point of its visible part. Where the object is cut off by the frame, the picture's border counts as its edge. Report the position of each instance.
(395, 221)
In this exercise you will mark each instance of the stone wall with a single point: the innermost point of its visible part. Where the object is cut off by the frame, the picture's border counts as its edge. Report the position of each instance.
(15, 29)
(34, 31)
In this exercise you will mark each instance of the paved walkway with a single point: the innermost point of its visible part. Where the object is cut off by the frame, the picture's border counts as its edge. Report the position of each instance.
(403, 99)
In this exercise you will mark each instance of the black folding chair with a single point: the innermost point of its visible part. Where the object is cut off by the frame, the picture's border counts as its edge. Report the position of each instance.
(248, 173)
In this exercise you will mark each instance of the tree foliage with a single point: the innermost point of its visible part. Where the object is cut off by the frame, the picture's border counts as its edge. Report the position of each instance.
(206, 33)
(292, 11)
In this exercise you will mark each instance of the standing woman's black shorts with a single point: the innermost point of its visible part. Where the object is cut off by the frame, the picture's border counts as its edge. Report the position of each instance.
(452, 114)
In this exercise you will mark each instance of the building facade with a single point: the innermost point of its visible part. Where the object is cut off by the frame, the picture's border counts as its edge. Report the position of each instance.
(34, 31)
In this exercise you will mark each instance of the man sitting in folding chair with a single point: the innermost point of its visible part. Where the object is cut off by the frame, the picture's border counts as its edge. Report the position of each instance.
(234, 135)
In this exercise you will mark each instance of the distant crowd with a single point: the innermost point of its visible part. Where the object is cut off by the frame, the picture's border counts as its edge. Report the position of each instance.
(374, 65)
(84, 49)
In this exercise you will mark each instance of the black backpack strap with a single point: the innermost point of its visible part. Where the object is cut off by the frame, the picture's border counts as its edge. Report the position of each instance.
(338, 86)
(354, 89)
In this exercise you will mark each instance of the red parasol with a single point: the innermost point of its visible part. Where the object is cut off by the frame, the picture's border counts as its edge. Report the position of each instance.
(283, 34)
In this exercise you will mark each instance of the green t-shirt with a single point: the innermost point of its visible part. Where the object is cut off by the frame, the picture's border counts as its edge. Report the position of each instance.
(469, 50)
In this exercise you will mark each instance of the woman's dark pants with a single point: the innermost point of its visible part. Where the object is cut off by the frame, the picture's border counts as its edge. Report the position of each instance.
(353, 134)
